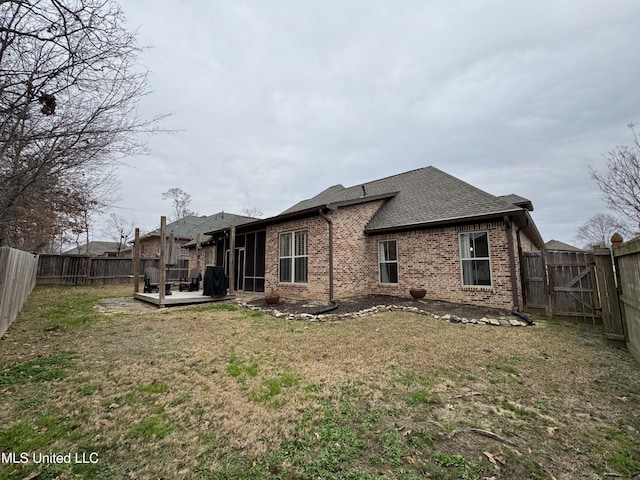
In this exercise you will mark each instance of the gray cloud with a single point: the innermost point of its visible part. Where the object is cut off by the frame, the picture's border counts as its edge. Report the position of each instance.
(275, 101)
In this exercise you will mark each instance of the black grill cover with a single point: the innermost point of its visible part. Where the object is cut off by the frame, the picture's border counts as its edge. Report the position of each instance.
(214, 282)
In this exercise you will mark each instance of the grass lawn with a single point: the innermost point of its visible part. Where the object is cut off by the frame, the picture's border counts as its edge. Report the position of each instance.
(225, 393)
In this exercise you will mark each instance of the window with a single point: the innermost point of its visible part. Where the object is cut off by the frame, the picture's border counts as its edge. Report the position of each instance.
(294, 257)
(388, 259)
(474, 256)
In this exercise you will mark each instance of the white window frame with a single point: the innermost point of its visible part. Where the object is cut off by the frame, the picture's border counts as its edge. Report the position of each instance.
(385, 261)
(471, 258)
(294, 254)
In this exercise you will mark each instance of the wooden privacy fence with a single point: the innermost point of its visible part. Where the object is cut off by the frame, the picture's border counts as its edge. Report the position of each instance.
(17, 279)
(604, 283)
(561, 283)
(627, 264)
(85, 270)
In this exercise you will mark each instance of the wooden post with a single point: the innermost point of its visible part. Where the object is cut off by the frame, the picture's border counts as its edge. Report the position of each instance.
(87, 273)
(163, 261)
(232, 259)
(198, 248)
(136, 262)
(609, 302)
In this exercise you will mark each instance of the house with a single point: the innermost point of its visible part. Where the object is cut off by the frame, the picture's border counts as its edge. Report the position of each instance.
(201, 249)
(185, 232)
(95, 248)
(419, 229)
(558, 245)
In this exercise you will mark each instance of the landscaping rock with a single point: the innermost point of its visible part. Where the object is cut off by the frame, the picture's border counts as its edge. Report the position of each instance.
(305, 311)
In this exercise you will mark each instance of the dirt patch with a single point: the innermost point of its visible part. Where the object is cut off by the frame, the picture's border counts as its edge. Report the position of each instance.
(126, 305)
(365, 302)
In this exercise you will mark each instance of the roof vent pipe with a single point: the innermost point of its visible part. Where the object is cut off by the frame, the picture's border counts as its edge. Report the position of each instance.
(364, 192)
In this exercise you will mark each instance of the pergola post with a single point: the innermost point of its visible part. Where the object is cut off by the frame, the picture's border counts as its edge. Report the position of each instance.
(163, 261)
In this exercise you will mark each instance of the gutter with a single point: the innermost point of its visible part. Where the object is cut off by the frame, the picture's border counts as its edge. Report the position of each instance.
(442, 222)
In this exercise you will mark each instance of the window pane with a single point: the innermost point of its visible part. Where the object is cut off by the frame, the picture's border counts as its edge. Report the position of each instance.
(389, 273)
(301, 243)
(476, 272)
(301, 270)
(465, 246)
(381, 252)
(285, 269)
(285, 244)
(387, 251)
(384, 273)
(481, 245)
(392, 254)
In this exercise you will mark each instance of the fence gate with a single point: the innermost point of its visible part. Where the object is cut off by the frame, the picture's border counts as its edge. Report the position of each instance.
(572, 284)
(611, 314)
(561, 282)
(534, 279)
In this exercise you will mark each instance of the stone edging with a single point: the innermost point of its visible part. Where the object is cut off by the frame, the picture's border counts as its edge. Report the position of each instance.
(503, 320)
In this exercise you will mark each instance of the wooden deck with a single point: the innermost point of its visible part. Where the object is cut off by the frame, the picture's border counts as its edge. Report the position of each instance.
(180, 298)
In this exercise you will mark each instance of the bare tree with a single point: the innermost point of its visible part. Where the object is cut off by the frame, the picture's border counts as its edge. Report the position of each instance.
(598, 230)
(69, 88)
(119, 230)
(181, 201)
(252, 212)
(620, 184)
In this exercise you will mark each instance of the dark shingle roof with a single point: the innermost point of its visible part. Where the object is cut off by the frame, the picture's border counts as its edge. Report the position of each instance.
(418, 197)
(558, 245)
(94, 247)
(189, 226)
(223, 220)
(517, 200)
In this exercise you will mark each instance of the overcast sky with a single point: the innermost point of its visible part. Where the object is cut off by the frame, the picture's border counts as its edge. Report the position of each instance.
(275, 101)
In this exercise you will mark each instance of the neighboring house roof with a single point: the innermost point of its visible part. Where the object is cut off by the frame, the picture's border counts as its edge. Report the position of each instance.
(419, 197)
(94, 248)
(558, 245)
(188, 227)
(182, 228)
(217, 221)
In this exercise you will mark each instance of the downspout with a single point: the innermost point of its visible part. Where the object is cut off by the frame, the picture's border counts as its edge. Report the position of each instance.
(330, 223)
(519, 245)
(334, 304)
(512, 270)
(512, 262)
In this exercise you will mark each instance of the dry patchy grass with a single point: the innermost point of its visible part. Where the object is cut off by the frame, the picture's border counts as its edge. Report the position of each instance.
(221, 392)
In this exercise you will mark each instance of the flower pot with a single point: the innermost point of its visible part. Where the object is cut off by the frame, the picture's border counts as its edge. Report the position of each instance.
(272, 299)
(418, 293)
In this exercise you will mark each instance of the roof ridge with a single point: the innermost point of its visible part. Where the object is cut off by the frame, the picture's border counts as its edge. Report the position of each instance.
(394, 175)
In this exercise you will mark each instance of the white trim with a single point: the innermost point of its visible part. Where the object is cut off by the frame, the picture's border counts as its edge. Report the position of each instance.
(462, 260)
(380, 262)
(293, 256)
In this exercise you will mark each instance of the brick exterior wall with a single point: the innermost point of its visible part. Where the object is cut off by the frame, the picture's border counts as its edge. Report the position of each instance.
(317, 287)
(430, 259)
(207, 257)
(150, 247)
(427, 258)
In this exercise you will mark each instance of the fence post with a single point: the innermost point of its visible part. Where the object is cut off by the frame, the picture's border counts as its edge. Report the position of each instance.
(232, 259)
(612, 321)
(136, 262)
(163, 261)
